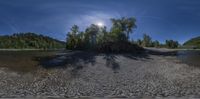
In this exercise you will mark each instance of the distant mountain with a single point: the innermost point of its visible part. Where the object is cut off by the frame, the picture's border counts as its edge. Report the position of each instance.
(194, 42)
(29, 41)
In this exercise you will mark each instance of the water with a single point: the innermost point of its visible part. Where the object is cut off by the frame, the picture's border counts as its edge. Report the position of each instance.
(191, 57)
(23, 61)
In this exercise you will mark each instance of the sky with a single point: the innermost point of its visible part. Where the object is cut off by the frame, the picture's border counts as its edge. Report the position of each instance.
(161, 19)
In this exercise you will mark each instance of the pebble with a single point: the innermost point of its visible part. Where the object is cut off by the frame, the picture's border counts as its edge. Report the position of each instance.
(152, 78)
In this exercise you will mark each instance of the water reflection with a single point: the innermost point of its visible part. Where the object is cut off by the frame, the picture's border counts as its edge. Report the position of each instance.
(22, 61)
(191, 57)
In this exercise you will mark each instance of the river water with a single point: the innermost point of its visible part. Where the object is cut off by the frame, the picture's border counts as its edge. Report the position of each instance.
(191, 57)
(23, 61)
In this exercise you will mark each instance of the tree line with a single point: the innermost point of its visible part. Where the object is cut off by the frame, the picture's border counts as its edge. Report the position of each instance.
(115, 40)
(147, 41)
(29, 41)
(193, 43)
(99, 38)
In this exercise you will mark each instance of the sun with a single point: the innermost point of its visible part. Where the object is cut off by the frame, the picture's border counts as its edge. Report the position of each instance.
(100, 24)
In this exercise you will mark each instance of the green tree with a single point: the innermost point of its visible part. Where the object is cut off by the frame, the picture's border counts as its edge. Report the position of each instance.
(155, 43)
(29, 40)
(72, 38)
(121, 28)
(171, 44)
(139, 42)
(95, 37)
(146, 41)
(92, 32)
(103, 35)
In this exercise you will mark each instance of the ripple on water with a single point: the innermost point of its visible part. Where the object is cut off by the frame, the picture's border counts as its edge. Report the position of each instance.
(190, 57)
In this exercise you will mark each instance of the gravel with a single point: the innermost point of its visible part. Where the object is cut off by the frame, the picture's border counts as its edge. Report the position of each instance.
(106, 76)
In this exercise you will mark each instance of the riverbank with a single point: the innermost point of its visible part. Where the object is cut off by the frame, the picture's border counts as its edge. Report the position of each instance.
(30, 49)
(168, 50)
(104, 75)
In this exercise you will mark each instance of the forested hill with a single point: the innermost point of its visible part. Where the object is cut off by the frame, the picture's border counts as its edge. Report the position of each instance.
(29, 41)
(195, 42)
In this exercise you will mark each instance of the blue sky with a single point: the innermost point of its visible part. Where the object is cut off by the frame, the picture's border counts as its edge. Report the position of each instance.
(161, 19)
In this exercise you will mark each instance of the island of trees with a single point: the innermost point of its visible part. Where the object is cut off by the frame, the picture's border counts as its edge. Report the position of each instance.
(116, 40)
(99, 39)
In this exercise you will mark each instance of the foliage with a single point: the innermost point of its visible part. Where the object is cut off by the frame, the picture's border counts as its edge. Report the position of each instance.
(147, 41)
(98, 38)
(138, 42)
(156, 44)
(171, 44)
(121, 28)
(194, 43)
(115, 40)
(29, 41)
(73, 38)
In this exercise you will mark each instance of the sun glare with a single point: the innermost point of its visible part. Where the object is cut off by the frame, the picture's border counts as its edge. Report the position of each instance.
(100, 24)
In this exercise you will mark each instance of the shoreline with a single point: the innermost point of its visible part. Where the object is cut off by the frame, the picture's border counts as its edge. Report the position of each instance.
(30, 49)
(167, 49)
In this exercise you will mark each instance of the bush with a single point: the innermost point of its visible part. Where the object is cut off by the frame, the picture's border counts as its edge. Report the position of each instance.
(172, 44)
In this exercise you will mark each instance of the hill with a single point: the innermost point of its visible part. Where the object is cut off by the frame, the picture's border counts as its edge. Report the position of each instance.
(29, 41)
(194, 42)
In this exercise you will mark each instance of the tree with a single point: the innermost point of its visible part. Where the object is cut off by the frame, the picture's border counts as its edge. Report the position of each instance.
(139, 42)
(123, 27)
(72, 38)
(171, 44)
(155, 43)
(130, 25)
(146, 41)
(103, 35)
(93, 31)
(95, 37)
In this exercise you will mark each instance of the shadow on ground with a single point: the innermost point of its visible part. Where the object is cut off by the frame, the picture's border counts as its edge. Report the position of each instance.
(79, 59)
